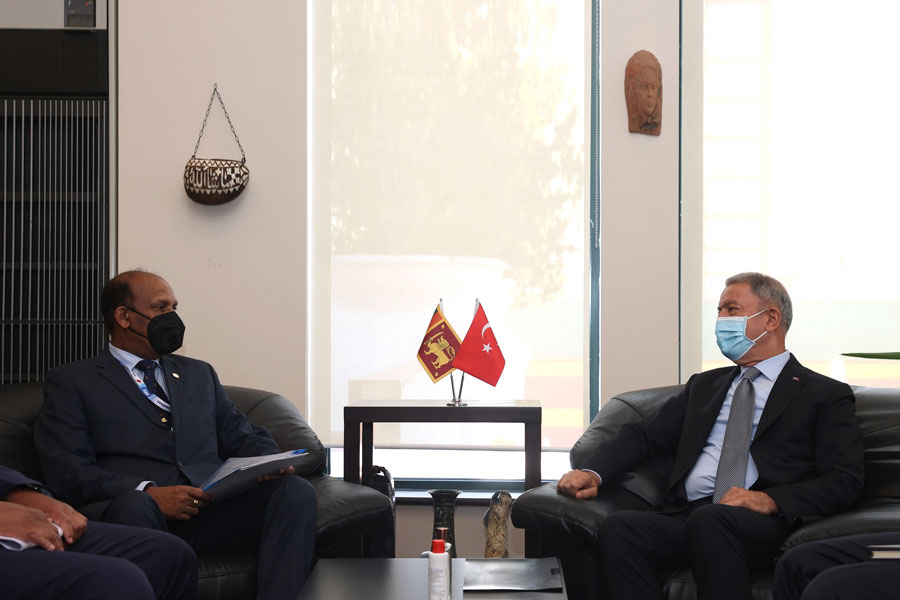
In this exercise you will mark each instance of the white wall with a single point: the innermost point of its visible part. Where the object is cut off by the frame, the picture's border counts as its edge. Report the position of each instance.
(639, 207)
(238, 270)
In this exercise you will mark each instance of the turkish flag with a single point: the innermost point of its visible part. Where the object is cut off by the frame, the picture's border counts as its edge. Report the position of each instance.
(479, 355)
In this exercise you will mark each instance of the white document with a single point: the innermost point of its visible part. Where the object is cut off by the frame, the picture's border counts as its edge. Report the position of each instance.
(885, 551)
(512, 574)
(11, 543)
(238, 475)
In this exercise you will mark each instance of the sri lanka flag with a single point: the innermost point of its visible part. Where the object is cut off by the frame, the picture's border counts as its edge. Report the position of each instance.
(439, 347)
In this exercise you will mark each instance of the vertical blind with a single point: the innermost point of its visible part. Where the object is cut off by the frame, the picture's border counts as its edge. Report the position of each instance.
(800, 185)
(447, 163)
(55, 218)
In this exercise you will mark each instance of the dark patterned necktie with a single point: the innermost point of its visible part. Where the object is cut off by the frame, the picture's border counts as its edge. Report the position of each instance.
(732, 470)
(149, 369)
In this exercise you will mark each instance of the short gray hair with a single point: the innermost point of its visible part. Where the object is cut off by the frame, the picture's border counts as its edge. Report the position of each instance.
(769, 290)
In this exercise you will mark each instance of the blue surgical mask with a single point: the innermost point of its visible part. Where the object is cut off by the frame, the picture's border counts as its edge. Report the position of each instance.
(731, 336)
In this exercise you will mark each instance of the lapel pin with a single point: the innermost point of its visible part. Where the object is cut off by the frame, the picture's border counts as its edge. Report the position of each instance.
(164, 420)
(176, 375)
(797, 379)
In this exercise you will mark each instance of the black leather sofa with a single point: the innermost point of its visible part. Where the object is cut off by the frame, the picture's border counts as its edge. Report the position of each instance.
(347, 511)
(568, 527)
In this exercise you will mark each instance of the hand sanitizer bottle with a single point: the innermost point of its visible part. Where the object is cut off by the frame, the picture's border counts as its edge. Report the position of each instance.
(438, 571)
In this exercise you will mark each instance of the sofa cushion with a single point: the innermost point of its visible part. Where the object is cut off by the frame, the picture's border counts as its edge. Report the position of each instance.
(862, 519)
(680, 584)
(227, 575)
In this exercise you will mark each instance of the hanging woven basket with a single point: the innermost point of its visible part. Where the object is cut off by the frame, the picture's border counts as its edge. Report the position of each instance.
(214, 181)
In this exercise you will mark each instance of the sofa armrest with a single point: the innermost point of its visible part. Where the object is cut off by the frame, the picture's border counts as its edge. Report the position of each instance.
(346, 511)
(544, 510)
(620, 409)
(867, 519)
(284, 422)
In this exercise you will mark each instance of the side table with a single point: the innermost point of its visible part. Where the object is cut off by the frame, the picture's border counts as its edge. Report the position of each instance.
(363, 415)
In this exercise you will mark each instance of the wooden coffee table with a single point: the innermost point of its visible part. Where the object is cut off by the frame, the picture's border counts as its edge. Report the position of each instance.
(395, 579)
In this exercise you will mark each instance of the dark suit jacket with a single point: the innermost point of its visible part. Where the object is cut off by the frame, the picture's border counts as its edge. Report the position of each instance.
(807, 448)
(98, 436)
(10, 479)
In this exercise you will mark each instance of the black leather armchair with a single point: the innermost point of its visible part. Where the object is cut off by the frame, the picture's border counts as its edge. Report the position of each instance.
(346, 513)
(568, 527)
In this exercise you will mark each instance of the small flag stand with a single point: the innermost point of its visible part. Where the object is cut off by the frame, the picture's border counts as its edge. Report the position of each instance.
(441, 351)
(457, 400)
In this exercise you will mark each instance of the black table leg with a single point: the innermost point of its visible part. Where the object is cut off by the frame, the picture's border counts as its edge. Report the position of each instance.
(351, 451)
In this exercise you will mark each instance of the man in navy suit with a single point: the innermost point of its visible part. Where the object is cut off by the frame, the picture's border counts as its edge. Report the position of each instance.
(48, 550)
(805, 459)
(838, 568)
(128, 436)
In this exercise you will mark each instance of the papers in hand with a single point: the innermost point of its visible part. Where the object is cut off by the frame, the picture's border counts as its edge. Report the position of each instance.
(238, 475)
(513, 574)
(882, 551)
(17, 545)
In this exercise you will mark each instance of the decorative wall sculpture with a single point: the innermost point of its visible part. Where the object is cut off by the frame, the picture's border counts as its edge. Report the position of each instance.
(643, 93)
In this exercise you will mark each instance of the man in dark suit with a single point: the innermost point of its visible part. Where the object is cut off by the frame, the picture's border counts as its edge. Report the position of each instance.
(129, 435)
(836, 569)
(730, 503)
(48, 550)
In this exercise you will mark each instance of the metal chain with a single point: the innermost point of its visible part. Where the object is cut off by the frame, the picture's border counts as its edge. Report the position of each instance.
(215, 94)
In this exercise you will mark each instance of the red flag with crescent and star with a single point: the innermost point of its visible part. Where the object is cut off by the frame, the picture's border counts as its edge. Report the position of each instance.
(438, 347)
(479, 355)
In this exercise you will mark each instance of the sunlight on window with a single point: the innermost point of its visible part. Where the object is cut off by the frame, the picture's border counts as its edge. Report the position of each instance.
(798, 168)
(448, 163)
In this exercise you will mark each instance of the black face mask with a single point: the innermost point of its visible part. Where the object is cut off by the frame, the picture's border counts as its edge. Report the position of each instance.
(165, 332)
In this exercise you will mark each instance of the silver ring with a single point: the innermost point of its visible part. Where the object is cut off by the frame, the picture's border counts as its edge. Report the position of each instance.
(196, 502)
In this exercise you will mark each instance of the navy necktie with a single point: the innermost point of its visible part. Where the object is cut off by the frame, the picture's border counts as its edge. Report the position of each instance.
(732, 470)
(149, 369)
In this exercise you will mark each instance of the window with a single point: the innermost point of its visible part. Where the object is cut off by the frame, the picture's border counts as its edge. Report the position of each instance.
(447, 162)
(798, 170)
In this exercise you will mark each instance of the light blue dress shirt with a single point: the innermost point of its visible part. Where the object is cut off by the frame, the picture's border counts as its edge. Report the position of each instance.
(701, 480)
(129, 361)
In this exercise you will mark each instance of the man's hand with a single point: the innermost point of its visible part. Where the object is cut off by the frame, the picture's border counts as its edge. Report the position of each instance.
(179, 502)
(29, 525)
(282, 471)
(580, 484)
(70, 521)
(759, 502)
